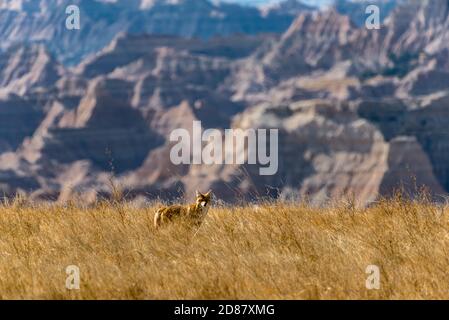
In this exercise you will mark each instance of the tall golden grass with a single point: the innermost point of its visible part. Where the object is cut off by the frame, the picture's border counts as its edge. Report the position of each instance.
(271, 251)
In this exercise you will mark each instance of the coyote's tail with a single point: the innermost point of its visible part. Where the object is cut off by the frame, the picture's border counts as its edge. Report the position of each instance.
(157, 218)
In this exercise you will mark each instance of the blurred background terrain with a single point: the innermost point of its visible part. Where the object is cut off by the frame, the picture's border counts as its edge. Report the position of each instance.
(360, 112)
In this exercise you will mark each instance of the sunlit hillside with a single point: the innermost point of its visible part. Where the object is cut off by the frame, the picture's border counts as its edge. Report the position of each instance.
(272, 251)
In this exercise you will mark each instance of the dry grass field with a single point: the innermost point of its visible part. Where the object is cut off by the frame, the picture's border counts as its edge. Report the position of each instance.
(273, 251)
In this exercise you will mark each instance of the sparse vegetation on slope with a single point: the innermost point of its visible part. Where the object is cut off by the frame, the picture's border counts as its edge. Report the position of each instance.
(273, 251)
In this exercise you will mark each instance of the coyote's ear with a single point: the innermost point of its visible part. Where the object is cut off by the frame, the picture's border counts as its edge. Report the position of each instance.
(198, 193)
(208, 193)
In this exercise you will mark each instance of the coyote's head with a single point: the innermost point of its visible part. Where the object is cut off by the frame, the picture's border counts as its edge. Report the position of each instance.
(203, 200)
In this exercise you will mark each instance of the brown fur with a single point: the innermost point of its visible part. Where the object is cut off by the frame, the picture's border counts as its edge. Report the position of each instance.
(194, 213)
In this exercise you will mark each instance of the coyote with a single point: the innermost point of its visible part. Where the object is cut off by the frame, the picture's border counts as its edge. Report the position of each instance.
(194, 213)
